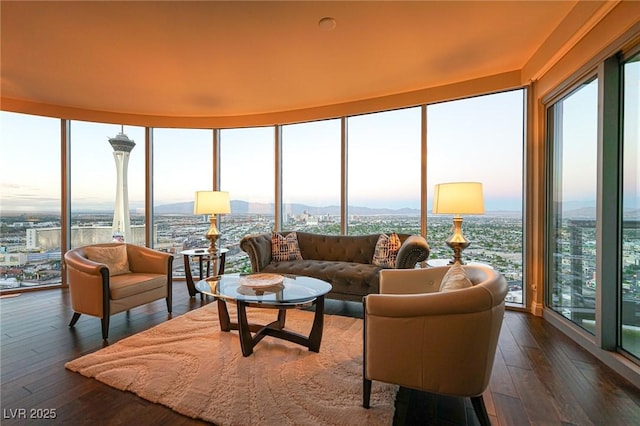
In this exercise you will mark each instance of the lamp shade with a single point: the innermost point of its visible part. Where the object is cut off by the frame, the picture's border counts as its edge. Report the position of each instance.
(458, 198)
(211, 202)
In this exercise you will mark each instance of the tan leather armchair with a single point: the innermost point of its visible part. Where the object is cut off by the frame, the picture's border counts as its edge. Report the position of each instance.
(96, 291)
(441, 342)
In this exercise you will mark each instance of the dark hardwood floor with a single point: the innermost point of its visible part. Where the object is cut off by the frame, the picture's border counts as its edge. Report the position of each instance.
(540, 376)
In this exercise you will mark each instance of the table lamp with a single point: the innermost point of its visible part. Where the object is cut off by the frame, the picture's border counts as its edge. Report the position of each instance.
(458, 198)
(212, 203)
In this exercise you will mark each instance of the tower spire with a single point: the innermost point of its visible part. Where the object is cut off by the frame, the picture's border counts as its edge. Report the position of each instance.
(122, 146)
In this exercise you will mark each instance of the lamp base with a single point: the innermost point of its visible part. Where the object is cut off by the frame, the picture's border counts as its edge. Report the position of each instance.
(457, 241)
(212, 235)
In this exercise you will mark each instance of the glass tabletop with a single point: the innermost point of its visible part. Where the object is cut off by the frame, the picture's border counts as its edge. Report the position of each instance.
(292, 290)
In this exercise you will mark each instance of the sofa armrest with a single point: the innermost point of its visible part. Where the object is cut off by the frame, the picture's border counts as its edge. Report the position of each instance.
(413, 250)
(258, 248)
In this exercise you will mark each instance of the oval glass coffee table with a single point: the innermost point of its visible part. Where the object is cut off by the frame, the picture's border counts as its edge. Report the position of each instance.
(267, 291)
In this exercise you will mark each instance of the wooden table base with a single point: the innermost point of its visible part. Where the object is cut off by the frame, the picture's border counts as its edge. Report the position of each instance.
(275, 328)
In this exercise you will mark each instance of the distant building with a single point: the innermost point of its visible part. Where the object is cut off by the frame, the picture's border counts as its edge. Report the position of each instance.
(49, 238)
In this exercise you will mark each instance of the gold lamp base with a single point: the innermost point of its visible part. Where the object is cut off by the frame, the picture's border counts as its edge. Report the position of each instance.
(457, 241)
(212, 235)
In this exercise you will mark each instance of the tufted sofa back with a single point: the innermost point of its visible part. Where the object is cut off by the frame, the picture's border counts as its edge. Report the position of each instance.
(345, 248)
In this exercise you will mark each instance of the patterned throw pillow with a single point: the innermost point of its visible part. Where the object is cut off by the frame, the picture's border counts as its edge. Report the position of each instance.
(455, 279)
(285, 248)
(386, 250)
(114, 257)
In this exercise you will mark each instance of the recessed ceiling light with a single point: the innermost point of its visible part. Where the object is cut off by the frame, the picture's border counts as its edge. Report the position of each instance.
(327, 24)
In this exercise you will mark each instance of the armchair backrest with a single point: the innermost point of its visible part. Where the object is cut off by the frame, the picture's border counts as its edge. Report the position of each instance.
(418, 337)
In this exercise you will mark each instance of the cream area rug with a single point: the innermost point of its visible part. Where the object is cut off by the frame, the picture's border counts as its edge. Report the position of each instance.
(192, 367)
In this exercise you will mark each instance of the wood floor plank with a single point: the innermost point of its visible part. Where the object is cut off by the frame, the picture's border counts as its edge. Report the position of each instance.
(536, 400)
(569, 409)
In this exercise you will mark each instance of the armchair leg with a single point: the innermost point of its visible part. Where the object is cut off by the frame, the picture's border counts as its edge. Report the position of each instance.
(169, 307)
(480, 410)
(366, 392)
(74, 320)
(105, 328)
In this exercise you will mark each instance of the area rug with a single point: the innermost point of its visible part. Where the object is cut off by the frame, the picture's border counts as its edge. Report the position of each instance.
(190, 366)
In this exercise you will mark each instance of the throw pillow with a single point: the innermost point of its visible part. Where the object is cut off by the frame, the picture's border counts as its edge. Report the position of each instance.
(114, 257)
(386, 250)
(455, 279)
(285, 248)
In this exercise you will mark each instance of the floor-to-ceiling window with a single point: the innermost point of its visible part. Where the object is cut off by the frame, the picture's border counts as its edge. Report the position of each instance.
(247, 172)
(182, 165)
(107, 182)
(481, 139)
(573, 131)
(630, 291)
(311, 176)
(383, 172)
(30, 250)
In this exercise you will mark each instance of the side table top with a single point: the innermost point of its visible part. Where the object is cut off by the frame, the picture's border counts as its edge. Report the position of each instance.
(202, 252)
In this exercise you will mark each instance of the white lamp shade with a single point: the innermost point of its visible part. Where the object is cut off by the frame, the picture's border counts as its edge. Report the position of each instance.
(211, 202)
(458, 198)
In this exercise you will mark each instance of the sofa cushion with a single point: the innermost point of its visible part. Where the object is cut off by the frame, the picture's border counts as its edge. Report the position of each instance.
(386, 250)
(284, 248)
(455, 279)
(347, 278)
(128, 285)
(115, 257)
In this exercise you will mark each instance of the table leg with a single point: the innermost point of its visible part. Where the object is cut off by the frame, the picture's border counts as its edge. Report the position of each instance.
(191, 287)
(246, 340)
(223, 316)
(223, 258)
(315, 337)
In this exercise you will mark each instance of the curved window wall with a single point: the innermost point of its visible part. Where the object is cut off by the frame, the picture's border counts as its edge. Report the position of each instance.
(294, 177)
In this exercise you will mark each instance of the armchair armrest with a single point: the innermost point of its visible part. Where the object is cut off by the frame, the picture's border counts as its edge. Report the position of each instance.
(75, 260)
(413, 250)
(145, 259)
(258, 248)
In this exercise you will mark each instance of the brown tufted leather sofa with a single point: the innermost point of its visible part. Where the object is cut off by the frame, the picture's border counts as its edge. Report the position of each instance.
(342, 260)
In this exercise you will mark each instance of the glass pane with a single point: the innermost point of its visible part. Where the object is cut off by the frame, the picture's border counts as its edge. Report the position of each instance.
(30, 252)
(573, 225)
(384, 162)
(247, 172)
(182, 165)
(107, 183)
(480, 140)
(311, 189)
(631, 209)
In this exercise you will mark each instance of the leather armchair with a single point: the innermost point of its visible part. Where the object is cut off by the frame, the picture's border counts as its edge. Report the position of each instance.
(441, 342)
(95, 292)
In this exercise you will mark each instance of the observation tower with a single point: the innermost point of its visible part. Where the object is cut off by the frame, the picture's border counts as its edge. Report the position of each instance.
(121, 228)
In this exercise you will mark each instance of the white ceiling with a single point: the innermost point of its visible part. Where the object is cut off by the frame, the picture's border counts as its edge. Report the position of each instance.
(214, 58)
